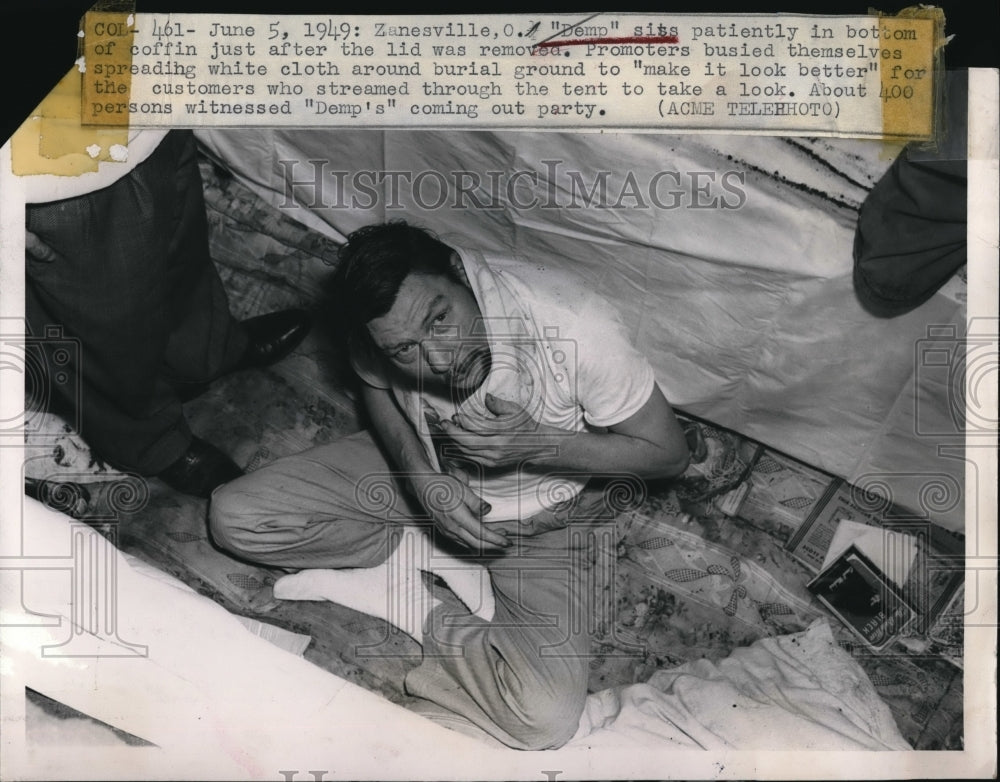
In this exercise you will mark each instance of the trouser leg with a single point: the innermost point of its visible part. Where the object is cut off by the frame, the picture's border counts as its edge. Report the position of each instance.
(523, 676)
(206, 340)
(332, 506)
(127, 275)
(911, 231)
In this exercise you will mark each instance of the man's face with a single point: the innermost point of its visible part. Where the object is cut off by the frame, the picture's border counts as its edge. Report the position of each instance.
(434, 332)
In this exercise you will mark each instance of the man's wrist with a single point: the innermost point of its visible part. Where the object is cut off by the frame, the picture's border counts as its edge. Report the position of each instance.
(416, 483)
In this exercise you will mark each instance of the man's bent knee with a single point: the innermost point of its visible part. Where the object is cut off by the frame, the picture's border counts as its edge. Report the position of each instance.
(549, 721)
(230, 520)
(545, 707)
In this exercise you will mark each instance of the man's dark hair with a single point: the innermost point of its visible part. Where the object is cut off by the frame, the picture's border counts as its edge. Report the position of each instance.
(374, 263)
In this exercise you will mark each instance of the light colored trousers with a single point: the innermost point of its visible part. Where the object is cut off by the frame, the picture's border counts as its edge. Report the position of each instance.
(521, 677)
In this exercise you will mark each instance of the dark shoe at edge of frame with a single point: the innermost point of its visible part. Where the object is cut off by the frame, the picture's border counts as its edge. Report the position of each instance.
(270, 338)
(273, 336)
(200, 470)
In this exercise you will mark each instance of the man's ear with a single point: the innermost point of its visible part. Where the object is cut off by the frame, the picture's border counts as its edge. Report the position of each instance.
(458, 269)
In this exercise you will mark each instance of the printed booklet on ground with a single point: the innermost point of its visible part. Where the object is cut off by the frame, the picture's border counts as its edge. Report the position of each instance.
(862, 597)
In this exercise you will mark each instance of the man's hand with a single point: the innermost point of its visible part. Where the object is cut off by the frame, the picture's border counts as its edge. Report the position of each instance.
(648, 444)
(510, 438)
(457, 511)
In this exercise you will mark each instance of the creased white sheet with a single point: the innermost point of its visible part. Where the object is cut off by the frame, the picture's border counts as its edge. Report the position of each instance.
(793, 692)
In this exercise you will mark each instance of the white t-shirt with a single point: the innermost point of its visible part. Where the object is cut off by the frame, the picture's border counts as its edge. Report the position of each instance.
(558, 350)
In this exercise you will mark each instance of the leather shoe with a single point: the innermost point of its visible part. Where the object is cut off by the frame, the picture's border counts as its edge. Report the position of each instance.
(272, 337)
(200, 470)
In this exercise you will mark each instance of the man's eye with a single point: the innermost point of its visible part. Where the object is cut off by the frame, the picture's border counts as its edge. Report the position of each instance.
(404, 351)
(440, 318)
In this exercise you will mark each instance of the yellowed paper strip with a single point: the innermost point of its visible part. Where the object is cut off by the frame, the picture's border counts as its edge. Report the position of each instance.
(107, 78)
(909, 43)
(862, 76)
(53, 140)
(84, 120)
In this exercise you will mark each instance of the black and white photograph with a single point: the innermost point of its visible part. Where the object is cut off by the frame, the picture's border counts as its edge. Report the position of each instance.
(389, 452)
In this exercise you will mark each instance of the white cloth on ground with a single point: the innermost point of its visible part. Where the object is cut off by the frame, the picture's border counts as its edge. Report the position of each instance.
(798, 691)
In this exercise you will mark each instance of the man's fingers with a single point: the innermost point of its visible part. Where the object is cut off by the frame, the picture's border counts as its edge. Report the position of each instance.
(463, 523)
(485, 450)
(477, 504)
(462, 428)
(483, 457)
(462, 422)
(451, 429)
(38, 249)
(499, 406)
(490, 539)
(481, 535)
(468, 442)
(471, 531)
(487, 539)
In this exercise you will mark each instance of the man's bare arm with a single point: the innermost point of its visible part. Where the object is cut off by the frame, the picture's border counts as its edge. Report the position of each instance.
(648, 444)
(401, 442)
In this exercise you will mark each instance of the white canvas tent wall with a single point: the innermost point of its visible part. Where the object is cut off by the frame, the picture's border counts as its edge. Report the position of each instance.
(747, 314)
